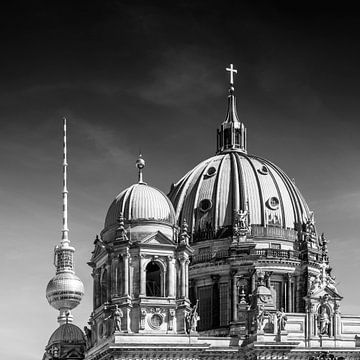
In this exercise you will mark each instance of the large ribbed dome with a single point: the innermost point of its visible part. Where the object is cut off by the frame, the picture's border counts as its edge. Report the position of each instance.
(141, 202)
(208, 195)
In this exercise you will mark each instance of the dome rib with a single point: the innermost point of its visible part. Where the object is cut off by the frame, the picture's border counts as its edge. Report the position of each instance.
(217, 197)
(261, 195)
(235, 185)
(241, 183)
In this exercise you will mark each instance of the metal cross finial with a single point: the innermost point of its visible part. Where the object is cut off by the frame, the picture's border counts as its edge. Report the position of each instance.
(231, 71)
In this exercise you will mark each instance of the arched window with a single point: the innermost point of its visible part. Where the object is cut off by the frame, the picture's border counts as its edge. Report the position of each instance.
(153, 279)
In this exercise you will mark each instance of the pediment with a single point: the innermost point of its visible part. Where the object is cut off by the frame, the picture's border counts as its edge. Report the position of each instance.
(74, 354)
(97, 250)
(157, 238)
(325, 292)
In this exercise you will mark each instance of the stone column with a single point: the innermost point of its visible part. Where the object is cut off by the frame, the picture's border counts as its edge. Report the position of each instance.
(171, 277)
(187, 262)
(114, 276)
(253, 282)
(108, 281)
(234, 296)
(126, 273)
(289, 293)
(216, 301)
(142, 276)
(97, 288)
(183, 277)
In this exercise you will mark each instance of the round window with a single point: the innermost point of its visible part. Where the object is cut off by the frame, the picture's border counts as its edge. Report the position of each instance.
(211, 171)
(156, 320)
(263, 170)
(205, 205)
(273, 203)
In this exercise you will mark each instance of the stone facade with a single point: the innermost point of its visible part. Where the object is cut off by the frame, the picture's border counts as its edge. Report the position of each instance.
(229, 266)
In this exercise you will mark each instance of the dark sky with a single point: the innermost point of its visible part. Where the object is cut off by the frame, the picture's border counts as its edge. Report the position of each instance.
(150, 76)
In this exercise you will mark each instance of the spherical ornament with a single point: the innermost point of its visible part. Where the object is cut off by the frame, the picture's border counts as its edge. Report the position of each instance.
(140, 162)
(64, 291)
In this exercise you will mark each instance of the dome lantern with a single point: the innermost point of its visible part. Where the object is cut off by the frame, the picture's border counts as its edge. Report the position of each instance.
(232, 133)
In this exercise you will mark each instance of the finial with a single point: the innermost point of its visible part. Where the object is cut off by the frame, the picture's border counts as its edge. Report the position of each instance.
(232, 71)
(140, 164)
(184, 235)
(121, 221)
(65, 229)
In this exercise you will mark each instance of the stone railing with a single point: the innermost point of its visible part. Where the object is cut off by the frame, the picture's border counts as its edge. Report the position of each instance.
(275, 253)
(259, 253)
(273, 232)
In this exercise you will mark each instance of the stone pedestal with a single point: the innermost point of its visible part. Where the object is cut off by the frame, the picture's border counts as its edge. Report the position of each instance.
(282, 336)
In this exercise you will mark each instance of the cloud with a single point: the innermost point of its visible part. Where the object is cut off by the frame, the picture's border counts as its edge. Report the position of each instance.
(182, 77)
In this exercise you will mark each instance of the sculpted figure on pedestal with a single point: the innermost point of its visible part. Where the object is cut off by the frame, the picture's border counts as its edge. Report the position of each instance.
(192, 319)
(324, 321)
(281, 319)
(116, 315)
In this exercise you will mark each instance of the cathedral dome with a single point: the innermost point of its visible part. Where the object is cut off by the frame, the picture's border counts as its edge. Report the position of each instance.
(140, 202)
(208, 195)
(67, 333)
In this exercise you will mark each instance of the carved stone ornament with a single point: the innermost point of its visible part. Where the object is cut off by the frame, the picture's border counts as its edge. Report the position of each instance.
(241, 225)
(142, 318)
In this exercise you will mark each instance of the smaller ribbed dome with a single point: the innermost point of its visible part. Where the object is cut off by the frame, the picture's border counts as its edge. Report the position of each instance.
(67, 333)
(141, 202)
(64, 291)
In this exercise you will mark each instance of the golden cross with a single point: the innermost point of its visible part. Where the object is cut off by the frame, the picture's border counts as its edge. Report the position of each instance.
(232, 71)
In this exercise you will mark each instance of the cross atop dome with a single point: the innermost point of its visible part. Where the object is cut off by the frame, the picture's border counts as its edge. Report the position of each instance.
(232, 71)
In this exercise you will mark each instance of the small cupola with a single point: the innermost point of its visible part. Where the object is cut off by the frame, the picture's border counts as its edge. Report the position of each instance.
(232, 132)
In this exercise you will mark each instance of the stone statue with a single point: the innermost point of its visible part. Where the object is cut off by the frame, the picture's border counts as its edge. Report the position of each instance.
(281, 319)
(116, 315)
(192, 319)
(314, 284)
(260, 319)
(324, 321)
(241, 227)
(87, 332)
